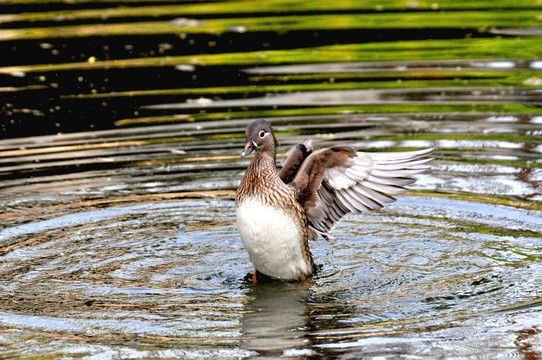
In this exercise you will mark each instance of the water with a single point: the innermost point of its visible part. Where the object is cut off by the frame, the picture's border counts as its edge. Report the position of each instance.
(120, 157)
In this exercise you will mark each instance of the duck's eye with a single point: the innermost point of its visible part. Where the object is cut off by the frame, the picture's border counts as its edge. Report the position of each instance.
(262, 134)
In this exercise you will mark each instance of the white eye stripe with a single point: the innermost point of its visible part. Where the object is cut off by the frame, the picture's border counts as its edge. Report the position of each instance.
(263, 134)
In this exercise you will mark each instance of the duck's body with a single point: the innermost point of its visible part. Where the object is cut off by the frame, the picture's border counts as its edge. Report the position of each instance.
(272, 224)
(274, 240)
(277, 212)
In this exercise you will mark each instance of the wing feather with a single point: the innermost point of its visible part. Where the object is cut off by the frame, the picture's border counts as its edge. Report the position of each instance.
(383, 188)
(398, 181)
(296, 155)
(355, 182)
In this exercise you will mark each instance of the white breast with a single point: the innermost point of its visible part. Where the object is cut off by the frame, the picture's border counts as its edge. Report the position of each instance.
(273, 240)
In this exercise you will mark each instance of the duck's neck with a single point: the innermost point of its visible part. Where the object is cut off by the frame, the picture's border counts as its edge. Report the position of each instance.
(265, 159)
(262, 168)
(260, 177)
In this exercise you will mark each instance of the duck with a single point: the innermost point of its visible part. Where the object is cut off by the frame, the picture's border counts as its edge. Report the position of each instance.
(279, 211)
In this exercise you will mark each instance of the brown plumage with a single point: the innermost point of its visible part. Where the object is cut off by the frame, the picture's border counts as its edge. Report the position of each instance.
(296, 156)
(277, 212)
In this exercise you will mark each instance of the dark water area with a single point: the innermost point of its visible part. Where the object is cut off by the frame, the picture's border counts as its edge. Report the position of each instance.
(121, 125)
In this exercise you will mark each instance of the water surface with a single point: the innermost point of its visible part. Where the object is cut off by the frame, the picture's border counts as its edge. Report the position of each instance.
(122, 128)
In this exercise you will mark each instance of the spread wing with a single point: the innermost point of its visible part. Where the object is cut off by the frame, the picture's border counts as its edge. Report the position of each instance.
(336, 181)
(296, 155)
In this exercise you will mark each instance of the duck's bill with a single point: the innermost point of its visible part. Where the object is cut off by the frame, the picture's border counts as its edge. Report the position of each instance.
(249, 147)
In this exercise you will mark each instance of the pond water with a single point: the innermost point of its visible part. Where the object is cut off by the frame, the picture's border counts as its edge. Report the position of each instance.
(122, 124)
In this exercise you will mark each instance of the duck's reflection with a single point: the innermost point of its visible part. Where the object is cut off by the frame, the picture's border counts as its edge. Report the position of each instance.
(276, 318)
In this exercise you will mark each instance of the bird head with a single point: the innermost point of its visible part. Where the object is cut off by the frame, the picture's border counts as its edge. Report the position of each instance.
(260, 138)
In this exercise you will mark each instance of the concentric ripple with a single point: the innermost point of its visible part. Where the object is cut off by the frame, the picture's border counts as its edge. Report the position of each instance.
(123, 243)
(164, 279)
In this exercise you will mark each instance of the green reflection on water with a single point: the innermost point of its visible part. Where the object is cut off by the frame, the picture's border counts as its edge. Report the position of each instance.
(402, 20)
(397, 81)
(489, 109)
(494, 48)
(244, 7)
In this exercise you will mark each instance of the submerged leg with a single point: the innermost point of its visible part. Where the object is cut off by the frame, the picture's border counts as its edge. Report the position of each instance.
(257, 277)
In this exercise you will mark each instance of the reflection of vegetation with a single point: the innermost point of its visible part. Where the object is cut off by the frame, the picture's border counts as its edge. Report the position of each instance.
(461, 136)
(277, 6)
(431, 79)
(521, 48)
(492, 48)
(476, 16)
(330, 110)
(267, 7)
(461, 226)
(401, 20)
(464, 77)
(496, 200)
